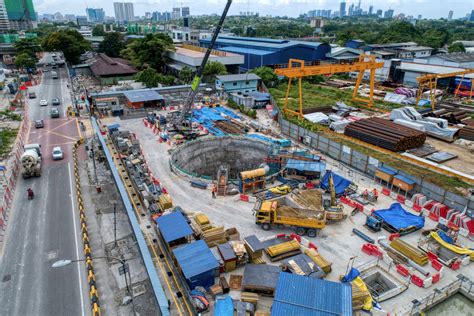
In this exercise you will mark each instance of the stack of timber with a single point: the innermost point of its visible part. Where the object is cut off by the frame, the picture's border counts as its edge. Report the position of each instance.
(283, 250)
(411, 252)
(255, 249)
(467, 132)
(230, 127)
(325, 265)
(205, 230)
(240, 251)
(385, 134)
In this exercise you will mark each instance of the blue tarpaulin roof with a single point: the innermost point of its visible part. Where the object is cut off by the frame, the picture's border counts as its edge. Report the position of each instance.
(195, 258)
(340, 183)
(281, 142)
(206, 114)
(404, 179)
(173, 226)
(400, 219)
(387, 170)
(297, 295)
(224, 306)
(227, 112)
(312, 166)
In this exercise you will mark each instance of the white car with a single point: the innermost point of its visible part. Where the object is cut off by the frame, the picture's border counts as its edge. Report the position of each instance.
(43, 103)
(57, 153)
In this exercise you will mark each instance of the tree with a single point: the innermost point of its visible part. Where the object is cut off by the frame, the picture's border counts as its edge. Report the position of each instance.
(98, 30)
(113, 44)
(457, 48)
(28, 46)
(149, 77)
(186, 74)
(267, 74)
(24, 60)
(149, 51)
(70, 42)
(213, 69)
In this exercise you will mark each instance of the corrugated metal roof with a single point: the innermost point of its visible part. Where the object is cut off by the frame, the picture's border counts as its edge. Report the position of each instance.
(302, 296)
(301, 165)
(432, 69)
(173, 226)
(276, 44)
(142, 95)
(243, 50)
(239, 77)
(195, 258)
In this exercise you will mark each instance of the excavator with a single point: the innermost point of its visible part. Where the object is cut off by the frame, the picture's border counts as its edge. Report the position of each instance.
(181, 121)
(334, 210)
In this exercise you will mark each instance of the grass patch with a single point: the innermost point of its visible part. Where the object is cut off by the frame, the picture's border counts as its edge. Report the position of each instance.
(7, 137)
(10, 115)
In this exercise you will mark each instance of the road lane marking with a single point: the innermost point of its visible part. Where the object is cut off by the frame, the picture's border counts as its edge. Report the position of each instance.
(75, 240)
(61, 135)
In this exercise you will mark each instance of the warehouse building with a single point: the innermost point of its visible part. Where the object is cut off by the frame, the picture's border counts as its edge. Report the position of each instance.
(243, 83)
(461, 60)
(260, 52)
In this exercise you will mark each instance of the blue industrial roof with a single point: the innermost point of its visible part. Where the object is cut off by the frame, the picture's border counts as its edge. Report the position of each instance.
(243, 50)
(142, 95)
(388, 170)
(195, 258)
(404, 179)
(301, 165)
(275, 44)
(297, 295)
(173, 226)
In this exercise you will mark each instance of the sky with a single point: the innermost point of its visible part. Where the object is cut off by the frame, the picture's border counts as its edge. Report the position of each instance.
(427, 8)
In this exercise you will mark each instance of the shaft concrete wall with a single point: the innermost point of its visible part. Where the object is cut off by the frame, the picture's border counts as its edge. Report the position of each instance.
(201, 158)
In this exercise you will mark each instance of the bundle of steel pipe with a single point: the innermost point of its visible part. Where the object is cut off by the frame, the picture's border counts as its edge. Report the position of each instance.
(467, 132)
(385, 134)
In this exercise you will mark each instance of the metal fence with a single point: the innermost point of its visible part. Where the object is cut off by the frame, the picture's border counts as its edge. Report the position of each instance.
(368, 165)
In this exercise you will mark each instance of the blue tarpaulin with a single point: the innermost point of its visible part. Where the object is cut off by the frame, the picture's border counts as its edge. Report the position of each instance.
(353, 273)
(227, 112)
(311, 166)
(404, 179)
(224, 306)
(340, 183)
(399, 219)
(387, 170)
(281, 142)
(206, 114)
(445, 237)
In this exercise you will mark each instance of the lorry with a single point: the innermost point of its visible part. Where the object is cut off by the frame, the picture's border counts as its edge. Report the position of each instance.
(54, 75)
(31, 161)
(278, 212)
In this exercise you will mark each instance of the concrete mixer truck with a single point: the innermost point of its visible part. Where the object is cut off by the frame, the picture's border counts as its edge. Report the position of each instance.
(31, 161)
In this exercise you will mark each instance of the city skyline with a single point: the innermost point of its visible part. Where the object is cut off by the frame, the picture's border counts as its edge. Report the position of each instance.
(293, 8)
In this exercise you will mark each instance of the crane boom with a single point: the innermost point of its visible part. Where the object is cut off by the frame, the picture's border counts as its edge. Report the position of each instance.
(197, 79)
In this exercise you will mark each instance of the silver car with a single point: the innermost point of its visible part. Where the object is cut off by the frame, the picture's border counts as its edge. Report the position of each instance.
(57, 153)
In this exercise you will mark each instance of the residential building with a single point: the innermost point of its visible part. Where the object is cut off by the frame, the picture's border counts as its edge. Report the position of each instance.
(69, 17)
(176, 14)
(450, 15)
(81, 20)
(192, 56)
(379, 13)
(269, 52)
(21, 14)
(371, 10)
(351, 10)
(129, 12)
(119, 12)
(4, 22)
(342, 9)
(414, 52)
(58, 17)
(95, 15)
(388, 14)
(185, 12)
(85, 31)
(317, 23)
(147, 15)
(472, 16)
(420, 16)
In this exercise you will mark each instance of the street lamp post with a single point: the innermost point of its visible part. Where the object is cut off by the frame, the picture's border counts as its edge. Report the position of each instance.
(126, 269)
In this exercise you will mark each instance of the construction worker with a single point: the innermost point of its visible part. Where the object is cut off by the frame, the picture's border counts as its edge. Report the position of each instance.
(376, 194)
(214, 191)
(365, 194)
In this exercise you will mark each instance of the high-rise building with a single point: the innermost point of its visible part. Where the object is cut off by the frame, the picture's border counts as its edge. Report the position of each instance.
(450, 15)
(58, 17)
(176, 14)
(147, 15)
(420, 16)
(95, 15)
(351, 10)
(185, 12)
(472, 16)
(342, 9)
(129, 13)
(119, 11)
(21, 14)
(388, 14)
(69, 17)
(379, 13)
(4, 22)
(371, 10)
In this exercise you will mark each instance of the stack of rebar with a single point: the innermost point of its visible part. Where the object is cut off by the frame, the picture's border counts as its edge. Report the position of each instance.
(467, 132)
(385, 134)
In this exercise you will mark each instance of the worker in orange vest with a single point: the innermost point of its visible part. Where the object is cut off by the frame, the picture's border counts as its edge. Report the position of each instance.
(376, 194)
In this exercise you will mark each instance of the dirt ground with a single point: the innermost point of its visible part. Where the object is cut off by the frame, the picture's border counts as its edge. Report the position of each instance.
(465, 158)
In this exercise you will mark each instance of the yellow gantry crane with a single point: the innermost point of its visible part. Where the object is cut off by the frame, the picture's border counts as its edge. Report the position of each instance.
(297, 69)
(430, 82)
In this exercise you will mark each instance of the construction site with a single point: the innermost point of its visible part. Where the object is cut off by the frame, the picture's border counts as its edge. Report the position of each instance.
(355, 196)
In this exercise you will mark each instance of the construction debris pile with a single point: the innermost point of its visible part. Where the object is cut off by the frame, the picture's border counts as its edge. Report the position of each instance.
(386, 134)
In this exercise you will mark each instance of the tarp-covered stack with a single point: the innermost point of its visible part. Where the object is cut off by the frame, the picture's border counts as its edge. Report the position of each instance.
(283, 250)
(397, 220)
(386, 134)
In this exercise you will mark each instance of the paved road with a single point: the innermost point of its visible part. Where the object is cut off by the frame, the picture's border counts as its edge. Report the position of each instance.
(45, 229)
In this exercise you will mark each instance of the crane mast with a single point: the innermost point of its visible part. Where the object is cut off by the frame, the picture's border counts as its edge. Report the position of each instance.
(188, 104)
